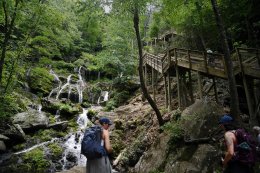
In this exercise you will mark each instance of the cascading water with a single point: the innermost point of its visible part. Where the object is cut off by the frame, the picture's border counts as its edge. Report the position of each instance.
(73, 144)
(56, 77)
(64, 86)
(69, 86)
(80, 85)
(104, 95)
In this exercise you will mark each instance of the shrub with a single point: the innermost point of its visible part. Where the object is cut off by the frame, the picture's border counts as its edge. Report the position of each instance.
(10, 105)
(36, 161)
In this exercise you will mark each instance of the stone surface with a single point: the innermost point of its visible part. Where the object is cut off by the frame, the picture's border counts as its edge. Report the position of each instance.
(31, 120)
(2, 146)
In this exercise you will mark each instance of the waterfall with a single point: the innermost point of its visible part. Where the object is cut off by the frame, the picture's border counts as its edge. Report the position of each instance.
(57, 116)
(56, 78)
(39, 109)
(64, 86)
(104, 95)
(73, 143)
(83, 119)
(80, 85)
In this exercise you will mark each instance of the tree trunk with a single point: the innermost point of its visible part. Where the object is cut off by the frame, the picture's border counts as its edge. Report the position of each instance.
(140, 68)
(228, 62)
(8, 31)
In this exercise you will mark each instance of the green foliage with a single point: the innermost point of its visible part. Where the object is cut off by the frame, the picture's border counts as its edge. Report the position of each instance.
(118, 143)
(35, 160)
(91, 113)
(176, 132)
(56, 150)
(10, 105)
(73, 124)
(40, 81)
(48, 134)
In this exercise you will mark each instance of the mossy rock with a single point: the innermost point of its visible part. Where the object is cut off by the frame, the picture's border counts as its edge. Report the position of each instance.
(35, 160)
(66, 109)
(56, 151)
(41, 81)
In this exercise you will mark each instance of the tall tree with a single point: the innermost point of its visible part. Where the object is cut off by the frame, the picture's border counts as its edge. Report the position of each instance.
(134, 8)
(228, 61)
(140, 68)
(10, 9)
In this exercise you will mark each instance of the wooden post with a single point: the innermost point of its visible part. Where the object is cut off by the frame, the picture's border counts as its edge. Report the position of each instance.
(145, 75)
(177, 77)
(178, 85)
(166, 91)
(153, 84)
(169, 92)
(257, 56)
(190, 80)
(183, 91)
(199, 85)
(224, 65)
(252, 119)
(215, 89)
(205, 61)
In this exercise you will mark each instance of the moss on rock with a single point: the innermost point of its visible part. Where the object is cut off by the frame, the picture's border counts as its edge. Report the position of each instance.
(40, 81)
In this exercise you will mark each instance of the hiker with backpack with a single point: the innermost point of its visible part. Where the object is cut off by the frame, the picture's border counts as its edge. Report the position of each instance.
(96, 147)
(240, 148)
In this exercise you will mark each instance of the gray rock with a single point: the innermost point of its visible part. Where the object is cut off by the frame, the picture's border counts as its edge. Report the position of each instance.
(31, 120)
(200, 119)
(3, 138)
(15, 134)
(2, 146)
(59, 125)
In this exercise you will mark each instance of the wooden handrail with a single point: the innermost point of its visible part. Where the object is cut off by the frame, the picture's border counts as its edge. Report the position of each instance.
(197, 60)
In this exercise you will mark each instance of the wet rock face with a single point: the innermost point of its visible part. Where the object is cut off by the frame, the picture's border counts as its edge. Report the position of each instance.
(71, 160)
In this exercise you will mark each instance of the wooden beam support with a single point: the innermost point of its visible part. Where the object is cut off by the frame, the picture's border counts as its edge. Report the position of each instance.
(166, 91)
(215, 89)
(153, 84)
(169, 92)
(200, 85)
(252, 119)
(190, 87)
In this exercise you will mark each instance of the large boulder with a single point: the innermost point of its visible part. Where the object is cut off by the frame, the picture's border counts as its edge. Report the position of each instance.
(200, 119)
(12, 134)
(31, 120)
(193, 159)
(155, 157)
(169, 154)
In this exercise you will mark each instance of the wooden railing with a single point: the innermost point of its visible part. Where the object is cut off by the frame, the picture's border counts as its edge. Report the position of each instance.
(246, 60)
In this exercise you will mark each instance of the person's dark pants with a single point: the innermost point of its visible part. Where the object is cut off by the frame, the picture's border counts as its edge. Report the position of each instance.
(237, 167)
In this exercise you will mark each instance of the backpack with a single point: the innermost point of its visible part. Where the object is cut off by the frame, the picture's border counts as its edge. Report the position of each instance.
(245, 150)
(91, 143)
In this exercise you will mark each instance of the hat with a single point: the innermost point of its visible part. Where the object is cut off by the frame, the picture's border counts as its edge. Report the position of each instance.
(105, 120)
(256, 128)
(225, 119)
